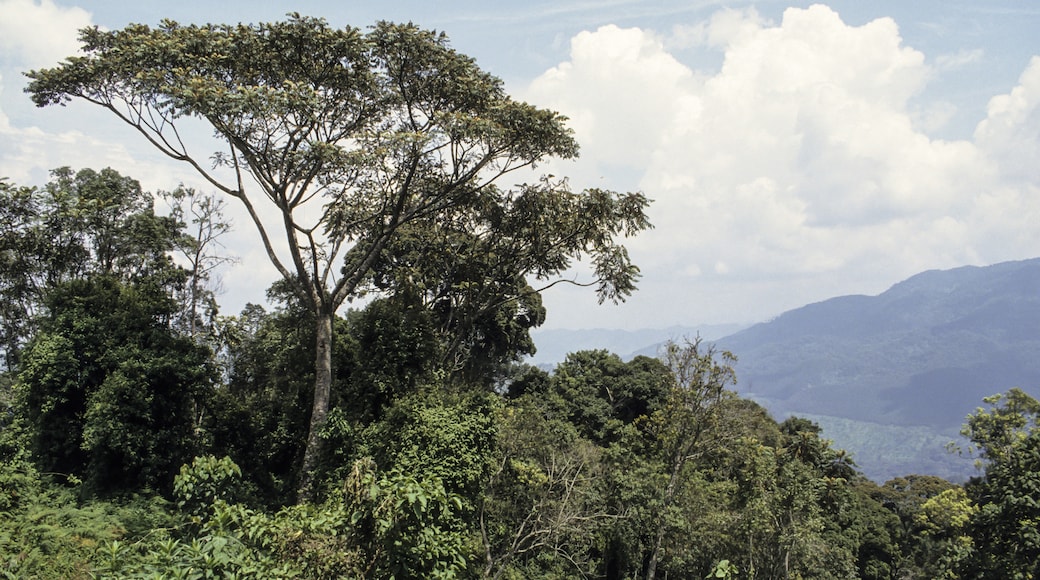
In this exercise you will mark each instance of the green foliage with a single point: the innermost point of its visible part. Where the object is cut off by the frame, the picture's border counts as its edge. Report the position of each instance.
(452, 441)
(79, 225)
(1004, 532)
(870, 531)
(110, 392)
(902, 500)
(412, 525)
(542, 510)
(1012, 418)
(600, 394)
(689, 426)
(390, 350)
(475, 484)
(19, 232)
(378, 525)
(948, 512)
(223, 548)
(205, 481)
(604, 468)
(724, 569)
(105, 390)
(46, 533)
(259, 417)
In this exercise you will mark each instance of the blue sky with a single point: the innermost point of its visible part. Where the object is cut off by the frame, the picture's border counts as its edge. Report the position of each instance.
(795, 151)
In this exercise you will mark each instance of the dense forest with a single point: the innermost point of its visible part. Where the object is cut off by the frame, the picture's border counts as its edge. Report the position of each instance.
(147, 435)
(144, 435)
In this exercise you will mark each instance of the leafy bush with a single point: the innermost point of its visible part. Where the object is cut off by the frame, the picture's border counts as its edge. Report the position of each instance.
(205, 481)
(387, 525)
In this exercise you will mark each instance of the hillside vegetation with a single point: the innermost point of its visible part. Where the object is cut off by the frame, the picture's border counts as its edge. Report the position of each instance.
(893, 376)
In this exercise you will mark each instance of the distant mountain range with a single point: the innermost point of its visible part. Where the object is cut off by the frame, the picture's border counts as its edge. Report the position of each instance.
(892, 377)
(555, 345)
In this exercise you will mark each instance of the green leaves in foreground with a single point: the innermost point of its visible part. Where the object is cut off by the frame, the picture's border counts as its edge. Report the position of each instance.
(379, 525)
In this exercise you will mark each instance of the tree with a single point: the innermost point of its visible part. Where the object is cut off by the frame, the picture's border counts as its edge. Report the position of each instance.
(797, 511)
(944, 520)
(110, 392)
(205, 226)
(260, 417)
(995, 433)
(600, 393)
(79, 225)
(1006, 529)
(19, 212)
(384, 131)
(905, 498)
(86, 280)
(541, 510)
(690, 422)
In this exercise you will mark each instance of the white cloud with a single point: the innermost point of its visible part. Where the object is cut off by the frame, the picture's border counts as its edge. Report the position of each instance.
(724, 27)
(800, 159)
(616, 125)
(1010, 134)
(37, 34)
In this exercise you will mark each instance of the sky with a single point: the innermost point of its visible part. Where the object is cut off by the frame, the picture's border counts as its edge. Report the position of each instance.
(794, 151)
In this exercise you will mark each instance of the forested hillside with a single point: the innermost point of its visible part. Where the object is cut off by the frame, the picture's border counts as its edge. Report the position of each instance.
(145, 434)
(893, 376)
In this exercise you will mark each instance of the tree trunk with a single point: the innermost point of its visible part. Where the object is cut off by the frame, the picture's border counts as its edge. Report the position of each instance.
(677, 464)
(320, 408)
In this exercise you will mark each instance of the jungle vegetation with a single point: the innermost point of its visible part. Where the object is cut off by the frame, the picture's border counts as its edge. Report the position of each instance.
(143, 434)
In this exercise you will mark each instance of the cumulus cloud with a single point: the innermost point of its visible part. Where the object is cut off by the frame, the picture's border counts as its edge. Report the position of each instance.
(1010, 134)
(800, 158)
(39, 33)
(35, 34)
(618, 125)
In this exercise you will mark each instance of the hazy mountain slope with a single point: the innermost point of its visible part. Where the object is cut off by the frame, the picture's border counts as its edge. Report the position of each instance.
(922, 354)
(555, 345)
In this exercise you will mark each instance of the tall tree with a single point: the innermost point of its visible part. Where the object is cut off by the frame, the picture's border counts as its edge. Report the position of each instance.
(691, 422)
(80, 224)
(352, 137)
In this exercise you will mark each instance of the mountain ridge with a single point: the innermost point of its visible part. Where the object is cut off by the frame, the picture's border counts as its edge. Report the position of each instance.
(922, 354)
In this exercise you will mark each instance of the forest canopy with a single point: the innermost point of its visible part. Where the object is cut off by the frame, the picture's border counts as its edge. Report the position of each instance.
(143, 433)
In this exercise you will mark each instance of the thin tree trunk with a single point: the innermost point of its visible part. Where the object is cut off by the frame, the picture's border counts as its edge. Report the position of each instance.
(320, 409)
(677, 464)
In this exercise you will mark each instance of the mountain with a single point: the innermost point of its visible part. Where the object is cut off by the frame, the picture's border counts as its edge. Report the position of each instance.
(892, 377)
(554, 345)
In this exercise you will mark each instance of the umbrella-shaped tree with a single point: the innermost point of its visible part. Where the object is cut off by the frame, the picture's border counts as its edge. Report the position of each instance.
(352, 138)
